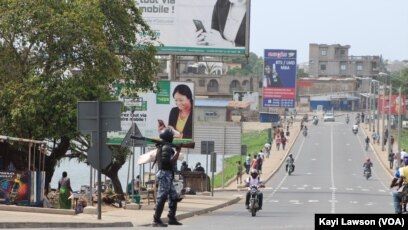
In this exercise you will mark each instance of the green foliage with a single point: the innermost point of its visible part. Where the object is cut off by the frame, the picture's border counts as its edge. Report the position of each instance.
(56, 53)
(251, 66)
(254, 142)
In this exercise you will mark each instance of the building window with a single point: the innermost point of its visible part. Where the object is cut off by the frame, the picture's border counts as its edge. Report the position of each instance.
(359, 67)
(322, 66)
(342, 52)
(323, 52)
(212, 86)
(201, 82)
(235, 86)
(343, 66)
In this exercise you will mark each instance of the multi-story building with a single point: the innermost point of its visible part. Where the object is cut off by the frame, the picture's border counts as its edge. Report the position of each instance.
(335, 61)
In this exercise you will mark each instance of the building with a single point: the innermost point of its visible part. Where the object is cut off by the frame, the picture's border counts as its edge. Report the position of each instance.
(335, 61)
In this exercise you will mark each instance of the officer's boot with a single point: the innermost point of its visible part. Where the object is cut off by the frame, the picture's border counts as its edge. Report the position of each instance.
(157, 214)
(172, 214)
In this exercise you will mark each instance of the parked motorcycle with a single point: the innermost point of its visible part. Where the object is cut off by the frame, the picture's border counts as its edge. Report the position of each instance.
(253, 200)
(367, 173)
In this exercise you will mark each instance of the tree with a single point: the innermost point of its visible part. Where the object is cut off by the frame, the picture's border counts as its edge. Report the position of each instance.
(56, 53)
(400, 79)
(251, 66)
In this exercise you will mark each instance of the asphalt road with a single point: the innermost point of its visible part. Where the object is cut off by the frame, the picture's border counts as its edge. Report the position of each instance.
(328, 179)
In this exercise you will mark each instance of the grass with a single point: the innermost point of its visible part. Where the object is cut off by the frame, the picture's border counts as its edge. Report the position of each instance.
(254, 142)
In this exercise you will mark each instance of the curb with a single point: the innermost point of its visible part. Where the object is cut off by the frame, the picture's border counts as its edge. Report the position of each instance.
(199, 212)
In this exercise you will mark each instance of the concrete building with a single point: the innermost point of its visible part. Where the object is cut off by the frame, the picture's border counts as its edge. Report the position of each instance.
(335, 61)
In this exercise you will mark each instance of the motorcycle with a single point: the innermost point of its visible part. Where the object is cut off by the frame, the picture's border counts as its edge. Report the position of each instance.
(304, 132)
(253, 200)
(290, 168)
(355, 131)
(367, 173)
(347, 120)
(315, 121)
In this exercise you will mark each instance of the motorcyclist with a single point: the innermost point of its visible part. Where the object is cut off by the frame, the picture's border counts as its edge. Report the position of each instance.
(355, 128)
(367, 141)
(290, 160)
(254, 180)
(367, 165)
(400, 179)
(305, 130)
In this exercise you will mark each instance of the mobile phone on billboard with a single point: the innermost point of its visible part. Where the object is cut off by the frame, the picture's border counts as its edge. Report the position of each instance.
(199, 25)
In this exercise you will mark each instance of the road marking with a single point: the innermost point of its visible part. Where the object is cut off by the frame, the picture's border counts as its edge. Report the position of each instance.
(365, 190)
(313, 159)
(301, 188)
(316, 188)
(313, 201)
(349, 189)
(353, 202)
(284, 188)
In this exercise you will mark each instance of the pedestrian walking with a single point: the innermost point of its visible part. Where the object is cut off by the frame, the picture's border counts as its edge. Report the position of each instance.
(278, 142)
(247, 163)
(283, 142)
(239, 172)
(391, 159)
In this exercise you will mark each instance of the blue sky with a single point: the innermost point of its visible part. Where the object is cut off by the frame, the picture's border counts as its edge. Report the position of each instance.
(370, 27)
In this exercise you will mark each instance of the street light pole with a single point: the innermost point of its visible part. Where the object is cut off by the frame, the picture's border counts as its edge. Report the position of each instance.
(383, 119)
(399, 126)
(389, 120)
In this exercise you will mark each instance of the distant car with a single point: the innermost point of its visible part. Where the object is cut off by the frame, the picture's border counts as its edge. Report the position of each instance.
(328, 117)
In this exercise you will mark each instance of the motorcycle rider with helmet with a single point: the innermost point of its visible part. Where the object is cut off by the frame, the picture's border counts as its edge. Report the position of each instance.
(254, 180)
(367, 165)
(290, 160)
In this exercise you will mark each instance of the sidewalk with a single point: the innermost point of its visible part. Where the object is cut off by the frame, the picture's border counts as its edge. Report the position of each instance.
(381, 155)
(29, 217)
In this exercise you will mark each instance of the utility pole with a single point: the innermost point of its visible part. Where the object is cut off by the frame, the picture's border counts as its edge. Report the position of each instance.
(400, 107)
(389, 121)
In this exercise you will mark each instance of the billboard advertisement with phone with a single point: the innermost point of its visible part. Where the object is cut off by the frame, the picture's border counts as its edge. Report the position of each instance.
(208, 27)
(172, 106)
(279, 80)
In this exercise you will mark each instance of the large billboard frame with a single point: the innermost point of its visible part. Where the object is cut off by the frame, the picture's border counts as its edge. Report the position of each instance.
(172, 15)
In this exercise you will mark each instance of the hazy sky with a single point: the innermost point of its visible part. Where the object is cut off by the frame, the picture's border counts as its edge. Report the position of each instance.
(370, 27)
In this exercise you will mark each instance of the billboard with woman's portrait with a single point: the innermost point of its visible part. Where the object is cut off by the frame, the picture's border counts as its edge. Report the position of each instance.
(172, 106)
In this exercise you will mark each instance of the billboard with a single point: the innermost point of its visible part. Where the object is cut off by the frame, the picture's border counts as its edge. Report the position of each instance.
(397, 103)
(279, 80)
(247, 96)
(199, 27)
(172, 105)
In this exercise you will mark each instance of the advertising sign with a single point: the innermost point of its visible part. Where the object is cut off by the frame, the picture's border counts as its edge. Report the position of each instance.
(198, 27)
(279, 81)
(397, 103)
(247, 96)
(172, 106)
(15, 186)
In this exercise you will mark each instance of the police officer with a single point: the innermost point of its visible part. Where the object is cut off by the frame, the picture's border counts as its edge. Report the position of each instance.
(166, 159)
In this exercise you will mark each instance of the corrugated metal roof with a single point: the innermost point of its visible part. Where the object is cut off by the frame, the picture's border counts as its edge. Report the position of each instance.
(211, 102)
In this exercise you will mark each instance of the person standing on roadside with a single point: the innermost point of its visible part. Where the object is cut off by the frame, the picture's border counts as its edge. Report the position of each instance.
(247, 163)
(267, 149)
(64, 188)
(166, 159)
(239, 172)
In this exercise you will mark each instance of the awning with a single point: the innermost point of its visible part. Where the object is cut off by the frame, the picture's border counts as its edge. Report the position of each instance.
(238, 104)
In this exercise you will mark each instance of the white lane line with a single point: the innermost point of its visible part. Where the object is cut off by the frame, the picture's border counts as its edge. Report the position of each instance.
(333, 186)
